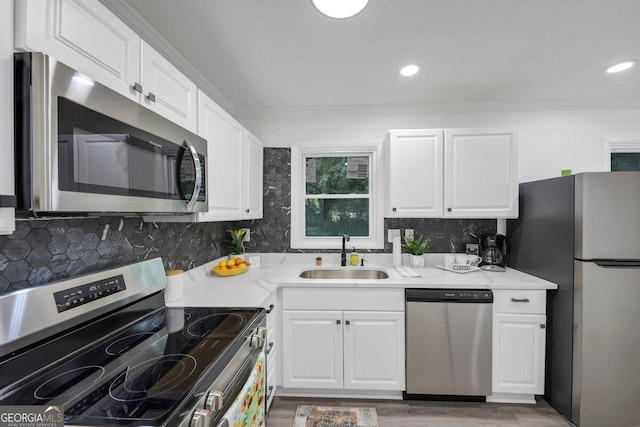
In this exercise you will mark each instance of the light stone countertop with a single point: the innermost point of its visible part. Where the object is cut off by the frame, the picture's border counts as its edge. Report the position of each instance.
(255, 287)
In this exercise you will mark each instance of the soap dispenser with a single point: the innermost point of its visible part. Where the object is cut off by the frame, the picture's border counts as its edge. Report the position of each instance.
(354, 257)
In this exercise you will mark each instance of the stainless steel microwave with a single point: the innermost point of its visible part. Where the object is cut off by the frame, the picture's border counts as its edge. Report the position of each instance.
(84, 148)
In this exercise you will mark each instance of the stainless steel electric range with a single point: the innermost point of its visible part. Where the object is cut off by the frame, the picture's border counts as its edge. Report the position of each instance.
(106, 349)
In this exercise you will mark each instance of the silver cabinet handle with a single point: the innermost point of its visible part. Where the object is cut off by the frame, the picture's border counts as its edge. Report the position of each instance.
(248, 210)
(137, 87)
(270, 309)
(519, 299)
(269, 348)
(196, 190)
(151, 97)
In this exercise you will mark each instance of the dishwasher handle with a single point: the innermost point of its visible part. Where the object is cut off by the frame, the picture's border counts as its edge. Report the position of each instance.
(458, 296)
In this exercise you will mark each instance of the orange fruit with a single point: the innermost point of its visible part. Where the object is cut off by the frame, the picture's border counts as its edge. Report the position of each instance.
(239, 261)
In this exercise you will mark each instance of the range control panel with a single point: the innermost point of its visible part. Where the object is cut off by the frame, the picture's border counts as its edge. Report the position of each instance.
(79, 295)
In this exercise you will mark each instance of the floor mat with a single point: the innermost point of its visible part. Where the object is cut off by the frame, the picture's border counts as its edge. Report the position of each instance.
(335, 416)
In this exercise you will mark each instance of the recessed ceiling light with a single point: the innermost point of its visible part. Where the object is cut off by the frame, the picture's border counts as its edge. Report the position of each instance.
(409, 70)
(620, 67)
(340, 9)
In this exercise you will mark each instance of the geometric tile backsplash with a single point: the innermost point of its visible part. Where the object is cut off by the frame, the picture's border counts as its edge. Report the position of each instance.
(45, 250)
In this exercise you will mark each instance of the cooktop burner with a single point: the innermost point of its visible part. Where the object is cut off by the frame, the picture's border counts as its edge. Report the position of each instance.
(140, 371)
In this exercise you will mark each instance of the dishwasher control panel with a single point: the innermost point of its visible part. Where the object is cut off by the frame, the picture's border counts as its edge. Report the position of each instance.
(450, 295)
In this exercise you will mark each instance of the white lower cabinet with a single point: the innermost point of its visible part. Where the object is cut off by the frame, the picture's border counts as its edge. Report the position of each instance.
(351, 350)
(373, 350)
(271, 348)
(519, 332)
(312, 347)
(343, 339)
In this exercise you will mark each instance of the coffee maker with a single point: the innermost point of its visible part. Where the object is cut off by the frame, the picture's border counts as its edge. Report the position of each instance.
(493, 251)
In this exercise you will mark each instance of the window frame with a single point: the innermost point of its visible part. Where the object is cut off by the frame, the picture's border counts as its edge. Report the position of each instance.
(619, 145)
(299, 153)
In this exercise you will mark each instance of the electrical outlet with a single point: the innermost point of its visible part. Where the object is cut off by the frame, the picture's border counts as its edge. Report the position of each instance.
(408, 233)
(247, 234)
(391, 233)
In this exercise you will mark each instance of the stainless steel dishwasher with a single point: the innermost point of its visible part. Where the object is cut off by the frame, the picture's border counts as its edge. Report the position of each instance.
(448, 344)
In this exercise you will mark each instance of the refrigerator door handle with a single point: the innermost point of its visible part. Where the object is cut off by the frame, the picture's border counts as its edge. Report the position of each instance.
(608, 263)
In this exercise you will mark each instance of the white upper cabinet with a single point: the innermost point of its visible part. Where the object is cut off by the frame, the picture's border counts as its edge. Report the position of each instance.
(88, 37)
(414, 173)
(225, 161)
(451, 173)
(167, 91)
(480, 173)
(7, 223)
(254, 175)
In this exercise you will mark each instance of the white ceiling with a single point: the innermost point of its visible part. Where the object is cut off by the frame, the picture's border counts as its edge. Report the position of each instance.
(283, 53)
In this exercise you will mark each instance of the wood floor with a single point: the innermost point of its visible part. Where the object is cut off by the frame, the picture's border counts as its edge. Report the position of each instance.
(396, 413)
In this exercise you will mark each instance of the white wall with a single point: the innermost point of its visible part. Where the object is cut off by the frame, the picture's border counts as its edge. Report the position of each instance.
(549, 141)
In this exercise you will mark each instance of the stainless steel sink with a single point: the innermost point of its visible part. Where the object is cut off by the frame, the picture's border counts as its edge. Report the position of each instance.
(344, 274)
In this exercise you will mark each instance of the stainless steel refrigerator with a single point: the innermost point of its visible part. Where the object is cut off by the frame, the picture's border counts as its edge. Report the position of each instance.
(583, 233)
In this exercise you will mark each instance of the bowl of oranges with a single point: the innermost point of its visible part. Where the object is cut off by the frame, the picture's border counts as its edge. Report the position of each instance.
(231, 267)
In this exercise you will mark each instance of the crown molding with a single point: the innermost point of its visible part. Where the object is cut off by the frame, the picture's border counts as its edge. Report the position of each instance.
(132, 18)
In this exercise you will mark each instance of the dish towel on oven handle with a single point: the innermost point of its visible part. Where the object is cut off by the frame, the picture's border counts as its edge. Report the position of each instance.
(247, 409)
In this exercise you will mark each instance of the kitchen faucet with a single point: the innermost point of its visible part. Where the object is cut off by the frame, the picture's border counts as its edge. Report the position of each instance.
(343, 257)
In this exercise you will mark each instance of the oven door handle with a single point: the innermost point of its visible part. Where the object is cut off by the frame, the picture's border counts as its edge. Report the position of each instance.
(198, 179)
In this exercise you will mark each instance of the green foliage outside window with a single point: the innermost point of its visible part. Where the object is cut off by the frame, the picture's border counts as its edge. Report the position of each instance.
(625, 162)
(327, 216)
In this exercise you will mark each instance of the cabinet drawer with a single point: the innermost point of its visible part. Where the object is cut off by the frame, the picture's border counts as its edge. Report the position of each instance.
(519, 302)
(342, 299)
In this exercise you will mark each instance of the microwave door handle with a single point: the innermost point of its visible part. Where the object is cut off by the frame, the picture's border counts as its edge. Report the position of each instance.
(196, 189)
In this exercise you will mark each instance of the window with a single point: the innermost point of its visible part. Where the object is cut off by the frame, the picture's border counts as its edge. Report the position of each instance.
(622, 155)
(336, 191)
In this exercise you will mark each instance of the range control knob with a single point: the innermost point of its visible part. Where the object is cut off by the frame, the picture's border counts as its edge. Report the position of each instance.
(200, 418)
(262, 331)
(214, 401)
(256, 340)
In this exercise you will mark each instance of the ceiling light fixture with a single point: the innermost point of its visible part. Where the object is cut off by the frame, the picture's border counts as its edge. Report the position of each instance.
(620, 67)
(340, 9)
(409, 70)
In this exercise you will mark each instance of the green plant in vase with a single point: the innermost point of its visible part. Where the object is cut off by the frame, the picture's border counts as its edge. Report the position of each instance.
(416, 246)
(236, 241)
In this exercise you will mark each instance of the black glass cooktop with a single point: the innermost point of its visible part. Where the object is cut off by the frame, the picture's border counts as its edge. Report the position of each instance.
(106, 373)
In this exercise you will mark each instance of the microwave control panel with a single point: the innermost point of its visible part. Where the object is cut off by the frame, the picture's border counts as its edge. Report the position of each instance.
(83, 294)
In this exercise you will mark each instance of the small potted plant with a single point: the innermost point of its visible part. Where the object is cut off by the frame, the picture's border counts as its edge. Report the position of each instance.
(416, 246)
(236, 242)
(318, 260)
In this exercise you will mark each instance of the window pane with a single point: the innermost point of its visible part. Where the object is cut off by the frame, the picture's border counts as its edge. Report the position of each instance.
(335, 217)
(337, 175)
(625, 162)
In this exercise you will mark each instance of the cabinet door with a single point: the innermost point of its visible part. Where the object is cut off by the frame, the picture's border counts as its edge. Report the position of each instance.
(312, 349)
(253, 176)
(414, 185)
(481, 176)
(7, 223)
(374, 350)
(518, 353)
(225, 161)
(167, 91)
(84, 35)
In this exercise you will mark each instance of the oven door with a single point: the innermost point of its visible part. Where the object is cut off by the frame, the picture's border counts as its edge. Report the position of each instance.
(94, 150)
(248, 407)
